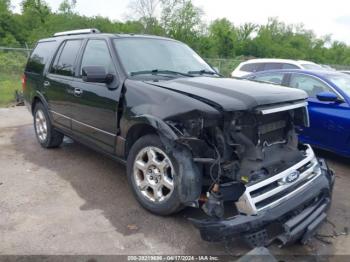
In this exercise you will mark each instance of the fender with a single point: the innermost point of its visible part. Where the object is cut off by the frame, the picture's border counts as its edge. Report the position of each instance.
(162, 128)
(189, 177)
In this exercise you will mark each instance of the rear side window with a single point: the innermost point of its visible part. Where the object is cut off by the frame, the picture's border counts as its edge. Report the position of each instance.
(272, 66)
(40, 56)
(65, 58)
(253, 67)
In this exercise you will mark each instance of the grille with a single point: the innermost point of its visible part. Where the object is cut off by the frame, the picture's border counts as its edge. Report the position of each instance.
(278, 188)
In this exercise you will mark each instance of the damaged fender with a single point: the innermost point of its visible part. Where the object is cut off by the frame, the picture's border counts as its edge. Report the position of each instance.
(189, 178)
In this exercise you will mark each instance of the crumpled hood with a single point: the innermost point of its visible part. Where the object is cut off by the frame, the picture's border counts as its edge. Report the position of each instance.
(232, 94)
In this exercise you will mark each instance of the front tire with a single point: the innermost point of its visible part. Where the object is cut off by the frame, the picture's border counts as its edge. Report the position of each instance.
(45, 134)
(152, 175)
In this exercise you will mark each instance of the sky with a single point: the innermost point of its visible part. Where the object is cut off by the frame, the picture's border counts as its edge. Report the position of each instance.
(323, 17)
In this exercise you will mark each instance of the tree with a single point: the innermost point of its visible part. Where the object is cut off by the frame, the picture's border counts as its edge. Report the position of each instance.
(67, 7)
(144, 8)
(224, 38)
(182, 20)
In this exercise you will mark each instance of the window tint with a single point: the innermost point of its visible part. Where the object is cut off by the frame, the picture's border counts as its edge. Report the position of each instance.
(40, 57)
(65, 58)
(96, 54)
(276, 78)
(309, 84)
(253, 67)
(272, 66)
(289, 66)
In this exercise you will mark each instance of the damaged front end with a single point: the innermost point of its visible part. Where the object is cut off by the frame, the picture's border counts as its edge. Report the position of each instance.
(277, 187)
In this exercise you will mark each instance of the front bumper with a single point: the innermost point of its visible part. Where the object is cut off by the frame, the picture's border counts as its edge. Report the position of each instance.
(294, 219)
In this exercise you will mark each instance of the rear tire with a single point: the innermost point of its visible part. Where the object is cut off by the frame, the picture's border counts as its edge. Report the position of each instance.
(46, 135)
(153, 176)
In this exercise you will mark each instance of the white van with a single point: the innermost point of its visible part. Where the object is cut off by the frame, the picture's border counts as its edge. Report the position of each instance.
(257, 65)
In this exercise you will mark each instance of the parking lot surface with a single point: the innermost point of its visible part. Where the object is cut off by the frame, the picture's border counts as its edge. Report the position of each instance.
(72, 200)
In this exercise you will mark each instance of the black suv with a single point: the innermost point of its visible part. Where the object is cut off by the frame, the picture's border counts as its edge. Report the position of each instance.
(188, 136)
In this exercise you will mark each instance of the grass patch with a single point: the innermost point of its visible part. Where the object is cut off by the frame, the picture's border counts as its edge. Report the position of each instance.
(8, 85)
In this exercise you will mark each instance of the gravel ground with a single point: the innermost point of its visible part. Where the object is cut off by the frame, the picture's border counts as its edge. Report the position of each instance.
(72, 200)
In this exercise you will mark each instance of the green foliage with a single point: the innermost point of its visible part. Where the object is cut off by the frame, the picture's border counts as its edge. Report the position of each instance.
(179, 19)
(223, 36)
(8, 85)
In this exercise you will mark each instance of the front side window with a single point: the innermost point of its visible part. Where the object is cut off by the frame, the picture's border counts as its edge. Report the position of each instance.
(40, 56)
(143, 54)
(97, 54)
(290, 66)
(341, 81)
(65, 58)
(276, 78)
(310, 85)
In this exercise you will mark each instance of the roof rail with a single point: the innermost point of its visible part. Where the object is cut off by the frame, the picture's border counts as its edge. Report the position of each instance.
(78, 32)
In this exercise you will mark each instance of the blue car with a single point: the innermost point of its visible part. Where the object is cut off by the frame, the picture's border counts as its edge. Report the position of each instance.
(329, 105)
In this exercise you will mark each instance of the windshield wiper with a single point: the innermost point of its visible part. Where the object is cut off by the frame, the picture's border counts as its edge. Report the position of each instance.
(203, 72)
(158, 71)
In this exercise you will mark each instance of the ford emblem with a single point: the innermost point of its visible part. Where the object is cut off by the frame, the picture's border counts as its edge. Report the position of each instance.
(292, 177)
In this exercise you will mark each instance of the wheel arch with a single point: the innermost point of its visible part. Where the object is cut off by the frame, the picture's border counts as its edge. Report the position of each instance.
(38, 98)
(145, 125)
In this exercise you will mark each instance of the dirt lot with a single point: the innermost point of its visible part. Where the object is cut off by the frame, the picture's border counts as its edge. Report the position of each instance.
(72, 200)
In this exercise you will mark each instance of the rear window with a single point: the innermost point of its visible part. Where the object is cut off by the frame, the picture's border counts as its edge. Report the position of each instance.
(312, 67)
(40, 56)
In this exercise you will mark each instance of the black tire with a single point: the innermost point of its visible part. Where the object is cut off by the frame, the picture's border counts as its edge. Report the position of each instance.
(168, 206)
(53, 138)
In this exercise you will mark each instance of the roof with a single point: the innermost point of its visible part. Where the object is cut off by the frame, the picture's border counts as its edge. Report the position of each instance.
(318, 73)
(105, 35)
(278, 60)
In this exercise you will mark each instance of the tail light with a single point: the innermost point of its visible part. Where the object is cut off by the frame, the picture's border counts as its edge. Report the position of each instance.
(24, 80)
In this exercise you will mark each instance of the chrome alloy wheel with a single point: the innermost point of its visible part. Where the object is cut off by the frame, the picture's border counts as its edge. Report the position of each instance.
(41, 125)
(154, 174)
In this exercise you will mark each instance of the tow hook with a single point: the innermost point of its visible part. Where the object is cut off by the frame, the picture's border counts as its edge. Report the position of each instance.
(214, 207)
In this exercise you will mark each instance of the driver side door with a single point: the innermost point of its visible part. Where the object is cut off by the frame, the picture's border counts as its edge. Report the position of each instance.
(94, 105)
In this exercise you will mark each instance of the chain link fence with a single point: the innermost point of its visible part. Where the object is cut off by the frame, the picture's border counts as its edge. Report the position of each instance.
(13, 60)
(225, 66)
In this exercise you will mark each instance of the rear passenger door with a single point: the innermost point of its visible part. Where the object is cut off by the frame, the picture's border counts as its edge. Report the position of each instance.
(94, 105)
(57, 82)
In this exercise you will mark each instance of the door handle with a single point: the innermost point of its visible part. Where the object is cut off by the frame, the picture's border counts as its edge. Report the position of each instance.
(78, 91)
(46, 83)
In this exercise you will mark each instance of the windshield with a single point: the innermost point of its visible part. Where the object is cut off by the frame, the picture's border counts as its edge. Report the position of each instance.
(312, 67)
(147, 54)
(341, 81)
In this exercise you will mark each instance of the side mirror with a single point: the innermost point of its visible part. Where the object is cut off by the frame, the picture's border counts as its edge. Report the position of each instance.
(327, 97)
(96, 74)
